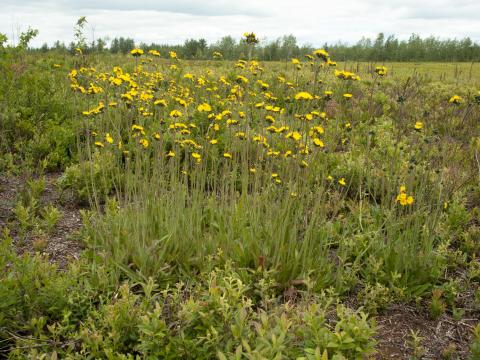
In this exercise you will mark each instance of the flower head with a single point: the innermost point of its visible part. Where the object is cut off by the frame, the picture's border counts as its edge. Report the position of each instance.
(418, 126)
(321, 54)
(197, 157)
(136, 52)
(455, 99)
(403, 198)
(250, 38)
(154, 52)
(108, 138)
(204, 107)
(381, 70)
(303, 95)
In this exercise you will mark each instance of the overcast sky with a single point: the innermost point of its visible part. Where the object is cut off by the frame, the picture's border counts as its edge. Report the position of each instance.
(311, 21)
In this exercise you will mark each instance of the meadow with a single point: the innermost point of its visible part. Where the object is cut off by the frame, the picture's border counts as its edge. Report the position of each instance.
(304, 209)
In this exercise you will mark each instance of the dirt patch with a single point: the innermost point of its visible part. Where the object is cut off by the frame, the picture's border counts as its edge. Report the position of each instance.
(8, 192)
(437, 337)
(62, 244)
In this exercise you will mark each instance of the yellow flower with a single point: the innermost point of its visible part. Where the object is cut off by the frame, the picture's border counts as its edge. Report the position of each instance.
(321, 54)
(455, 99)
(204, 107)
(99, 144)
(241, 135)
(318, 142)
(270, 119)
(241, 79)
(227, 155)
(175, 113)
(170, 154)
(197, 157)
(214, 141)
(342, 182)
(154, 52)
(403, 198)
(295, 61)
(381, 70)
(252, 170)
(346, 75)
(136, 52)
(173, 55)
(108, 138)
(156, 136)
(295, 135)
(318, 129)
(232, 122)
(138, 129)
(418, 125)
(144, 143)
(347, 96)
(250, 38)
(303, 95)
(160, 102)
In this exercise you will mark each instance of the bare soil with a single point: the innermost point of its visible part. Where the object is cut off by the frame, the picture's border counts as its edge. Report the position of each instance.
(60, 246)
(438, 337)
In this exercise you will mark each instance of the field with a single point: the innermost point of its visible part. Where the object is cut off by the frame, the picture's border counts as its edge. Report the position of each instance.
(159, 208)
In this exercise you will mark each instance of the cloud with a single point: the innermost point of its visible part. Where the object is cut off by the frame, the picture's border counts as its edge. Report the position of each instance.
(311, 21)
(192, 7)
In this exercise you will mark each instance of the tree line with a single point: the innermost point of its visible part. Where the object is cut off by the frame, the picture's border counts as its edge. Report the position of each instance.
(382, 48)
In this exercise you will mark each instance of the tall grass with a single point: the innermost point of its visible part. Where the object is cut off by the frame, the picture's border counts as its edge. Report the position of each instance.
(163, 217)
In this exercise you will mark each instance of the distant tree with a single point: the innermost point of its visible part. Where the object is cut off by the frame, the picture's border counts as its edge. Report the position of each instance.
(271, 51)
(228, 47)
(289, 47)
(193, 48)
(122, 45)
(44, 48)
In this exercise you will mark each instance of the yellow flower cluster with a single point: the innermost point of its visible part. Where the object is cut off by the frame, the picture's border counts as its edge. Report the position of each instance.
(346, 75)
(403, 198)
(381, 70)
(204, 115)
